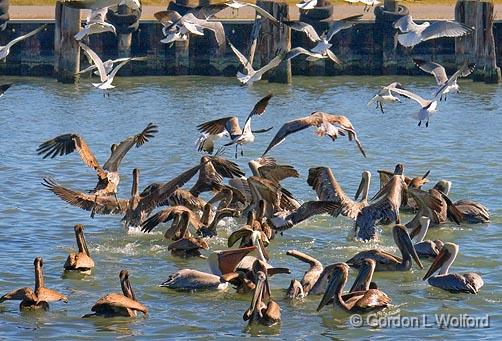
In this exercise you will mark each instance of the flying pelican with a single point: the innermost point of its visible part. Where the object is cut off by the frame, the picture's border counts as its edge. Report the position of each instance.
(368, 4)
(323, 45)
(386, 261)
(108, 176)
(358, 301)
(3, 88)
(428, 107)
(106, 78)
(413, 34)
(267, 314)
(229, 126)
(286, 219)
(469, 282)
(306, 4)
(95, 23)
(38, 298)
(5, 50)
(325, 124)
(125, 304)
(425, 248)
(445, 85)
(252, 74)
(385, 96)
(80, 261)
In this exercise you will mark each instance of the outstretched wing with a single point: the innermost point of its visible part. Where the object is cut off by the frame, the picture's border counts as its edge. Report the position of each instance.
(434, 69)
(215, 127)
(289, 128)
(442, 28)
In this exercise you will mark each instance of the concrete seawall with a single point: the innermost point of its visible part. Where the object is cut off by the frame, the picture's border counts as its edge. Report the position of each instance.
(359, 48)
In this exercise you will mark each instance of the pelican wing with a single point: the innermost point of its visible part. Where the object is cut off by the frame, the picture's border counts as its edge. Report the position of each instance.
(48, 295)
(434, 69)
(118, 301)
(278, 172)
(304, 212)
(96, 60)
(471, 208)
(381, 258)
(447, 28)
(215, 127)
(66, 144)
(188, 244)
(455, 283)
(225, 167)
(113, 163)
(163, 216)
(290, 128)
(187, 279)
(19, 295)
(342, 122)
(23, 37)
(371, 299)
(305, 28)
(89, 202)
(342, 24)
(243, 60)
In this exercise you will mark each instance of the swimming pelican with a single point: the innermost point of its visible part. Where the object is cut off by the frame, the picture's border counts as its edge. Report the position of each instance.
(108, 175)
(186, 246)
(4, 87)
(445, 85)
(125, 304)
(425, 248)
(5, 50)
(428, 107)
(81, 260)
(358, 301)
(385, 96)
(38, 298)
(252, 74)
(95, 23)
(229, 126)
(413, 34)
(469, 282)
(389, 262)
(472, 211)
(325, 124)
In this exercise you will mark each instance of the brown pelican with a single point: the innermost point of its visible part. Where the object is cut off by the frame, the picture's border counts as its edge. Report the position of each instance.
(358, 301)
(38, 298)
(5, 50)
(168, 214)
(386, 261)
(250, 238)
(213, 170)
(108, 175)
(229, 126)
(469, 282)
(325, 124)
(186, 246)
(183, 197)
(263, 310)
(81, 260)
(425, 248)
(125, 304)
(309, 278)
(286, 219)
(209, 227)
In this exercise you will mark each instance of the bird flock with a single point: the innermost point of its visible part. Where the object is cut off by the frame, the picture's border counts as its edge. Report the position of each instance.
(260, 204)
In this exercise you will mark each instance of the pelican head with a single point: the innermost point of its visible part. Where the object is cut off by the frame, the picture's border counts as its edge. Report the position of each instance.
(337, 279)
(443, 260)
(421, 230)
(81, 243)
(249, 237)
(113, 147)
(295, 290)
(225, 261)
(363, 186)
(38, 262)
(403, 242)
(399, 170)
(443, 186)
(419, 181)
(363, 280)
(126, 285)
(253, 313)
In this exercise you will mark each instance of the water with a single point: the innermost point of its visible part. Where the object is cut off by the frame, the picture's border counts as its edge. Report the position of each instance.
(462, 144)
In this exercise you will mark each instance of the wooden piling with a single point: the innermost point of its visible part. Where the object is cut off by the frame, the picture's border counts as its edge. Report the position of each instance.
(182, 57)
(274, 39)
(68, 51)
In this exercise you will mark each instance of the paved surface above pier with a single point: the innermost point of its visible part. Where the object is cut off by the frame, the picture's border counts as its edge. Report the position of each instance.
(418, 11)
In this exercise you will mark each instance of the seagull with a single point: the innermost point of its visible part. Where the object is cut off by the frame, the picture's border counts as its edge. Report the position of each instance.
(96, 23)
(252, 74)
(445, 85)
(322, 49)
(367, 3)
(229, 126)
(4, 88)
(429, 107)
(178, 28)
(307, 4)
(106, 78)
(326, 125)
(385, 96)
(109, 64)
(263, 13)
(5, 50)
(413, 34)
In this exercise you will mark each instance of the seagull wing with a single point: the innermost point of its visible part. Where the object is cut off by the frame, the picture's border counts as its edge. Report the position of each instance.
(117, 68)
(434, 69)
(342, 24)
(440, 29)
(23, 37)
(408, 94)
(273, 63)
(305, 28)
(215, 26)
(96, 60)
(298, 51)
(406, 24)
(243, 60)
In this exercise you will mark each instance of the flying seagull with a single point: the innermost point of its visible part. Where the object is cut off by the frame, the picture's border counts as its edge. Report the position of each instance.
(252, 74)
(229, 126)
(367, 3)
(428, 107)
(325, 124)
(385, 96)
(307, 4)
(413, 34)
(263, 13)
(5, 50)
(445, 85)
(4, 88)
(109, 64)
(96, 23)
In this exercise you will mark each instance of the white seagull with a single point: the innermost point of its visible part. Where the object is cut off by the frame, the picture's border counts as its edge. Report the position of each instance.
(428, 107)
(307, 4)
(96, 23)
(106, 78)
(263, 13)
(252, 74)
(445, 85)
(109, 64)
(385, 96)
(367, 3)
(413, 34)
(5, 50)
